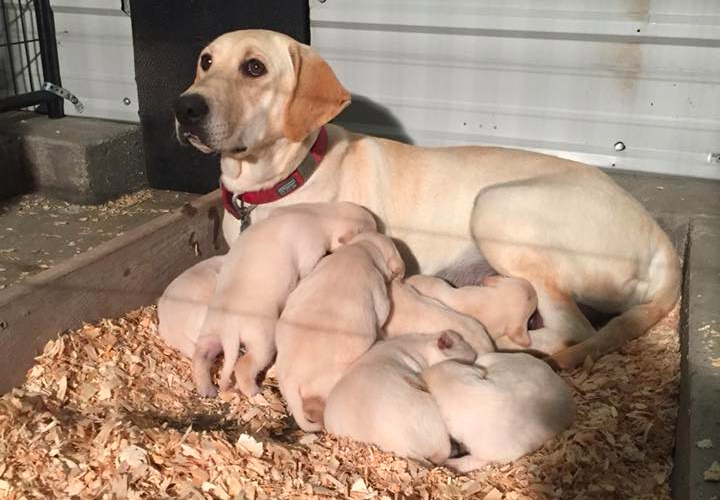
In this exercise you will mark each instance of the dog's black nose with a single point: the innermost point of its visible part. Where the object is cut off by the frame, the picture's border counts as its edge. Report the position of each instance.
(190, 109)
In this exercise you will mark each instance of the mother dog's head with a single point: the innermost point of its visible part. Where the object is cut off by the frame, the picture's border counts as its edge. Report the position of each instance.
(254, 87)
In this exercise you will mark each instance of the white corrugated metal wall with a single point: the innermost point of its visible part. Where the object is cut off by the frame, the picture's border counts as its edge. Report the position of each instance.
(96, 57)
(571, 77)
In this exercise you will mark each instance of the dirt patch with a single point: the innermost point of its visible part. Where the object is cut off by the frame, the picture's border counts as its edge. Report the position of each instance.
(37, 232)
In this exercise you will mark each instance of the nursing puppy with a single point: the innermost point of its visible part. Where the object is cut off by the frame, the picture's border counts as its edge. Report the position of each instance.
(330, 320)
(412, 312)
(504, 406)
(183, 305)
(502, 305)
(260, 270)
(382, 399)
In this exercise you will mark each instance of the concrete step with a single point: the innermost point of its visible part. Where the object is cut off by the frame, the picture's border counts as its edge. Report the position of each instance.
(79, 160)
(14, 178)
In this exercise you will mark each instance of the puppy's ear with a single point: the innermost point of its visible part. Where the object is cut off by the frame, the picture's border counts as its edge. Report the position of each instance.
(346, 238)
(519, 335)
(318, 96)
(397, 267)
(492, 281)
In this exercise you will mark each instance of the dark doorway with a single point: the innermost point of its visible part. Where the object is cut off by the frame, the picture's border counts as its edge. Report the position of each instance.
(168, 36)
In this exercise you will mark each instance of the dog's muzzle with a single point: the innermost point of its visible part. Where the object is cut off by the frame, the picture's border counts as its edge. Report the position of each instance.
(191, 112)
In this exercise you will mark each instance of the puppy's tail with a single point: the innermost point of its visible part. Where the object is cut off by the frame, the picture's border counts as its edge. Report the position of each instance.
(664, 282)
(314, 409)
(231, 350)
(298, 404)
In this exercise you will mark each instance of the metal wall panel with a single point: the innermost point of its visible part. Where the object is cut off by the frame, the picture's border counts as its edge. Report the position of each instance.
(96, 57)
(572, 78)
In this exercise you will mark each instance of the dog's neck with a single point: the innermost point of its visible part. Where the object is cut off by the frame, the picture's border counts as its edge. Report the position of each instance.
(265, 166)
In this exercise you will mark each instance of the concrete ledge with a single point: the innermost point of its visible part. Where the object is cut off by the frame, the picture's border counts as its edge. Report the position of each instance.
(79, 160)
(699, 417)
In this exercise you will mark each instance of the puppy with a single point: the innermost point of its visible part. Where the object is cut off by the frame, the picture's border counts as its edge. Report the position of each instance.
(330, 320)
(262, 267)
(504, 406)
(382, 399)
(502, 305)
(412, 312)
(183, 305)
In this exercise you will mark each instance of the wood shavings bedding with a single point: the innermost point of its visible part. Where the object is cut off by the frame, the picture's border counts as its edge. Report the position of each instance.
(109, 412)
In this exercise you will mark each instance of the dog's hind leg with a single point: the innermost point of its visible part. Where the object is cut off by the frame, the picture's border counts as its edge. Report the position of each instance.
(664, 289)
(580, 243)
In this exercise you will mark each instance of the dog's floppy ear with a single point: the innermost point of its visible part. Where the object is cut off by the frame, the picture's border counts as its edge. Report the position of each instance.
(318, 96)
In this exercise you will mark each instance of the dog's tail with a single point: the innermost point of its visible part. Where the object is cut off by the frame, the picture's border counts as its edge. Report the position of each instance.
(664, 283)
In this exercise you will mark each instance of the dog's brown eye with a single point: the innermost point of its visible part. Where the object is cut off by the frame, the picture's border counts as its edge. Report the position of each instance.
(253, 67)
(205, 62)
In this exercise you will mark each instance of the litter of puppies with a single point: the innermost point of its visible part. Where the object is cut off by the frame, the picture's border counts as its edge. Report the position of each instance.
(110, 411)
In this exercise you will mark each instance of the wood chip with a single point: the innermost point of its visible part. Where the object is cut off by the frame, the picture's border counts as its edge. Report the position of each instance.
(494, 494)
(110, 411)
(705, 444)
(712, 473)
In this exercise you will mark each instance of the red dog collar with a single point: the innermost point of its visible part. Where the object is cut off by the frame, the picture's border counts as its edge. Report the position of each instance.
(283, 188)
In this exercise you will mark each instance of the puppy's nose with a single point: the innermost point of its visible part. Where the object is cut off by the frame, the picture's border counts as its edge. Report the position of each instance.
(190, 109)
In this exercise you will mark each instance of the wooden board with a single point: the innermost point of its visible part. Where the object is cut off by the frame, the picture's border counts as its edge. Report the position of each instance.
(119, 275)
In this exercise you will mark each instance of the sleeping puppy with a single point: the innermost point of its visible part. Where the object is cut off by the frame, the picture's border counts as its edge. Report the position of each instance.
(183, 305)
(502, 305)
(412, 312)
(260, 270)
(330, 320)
(382, 399)
(500, 408)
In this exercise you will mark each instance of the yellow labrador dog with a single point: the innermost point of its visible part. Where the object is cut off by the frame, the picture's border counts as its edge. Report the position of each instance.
(262, 101)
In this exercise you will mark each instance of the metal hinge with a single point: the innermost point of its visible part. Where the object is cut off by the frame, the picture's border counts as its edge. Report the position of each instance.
(65, 94)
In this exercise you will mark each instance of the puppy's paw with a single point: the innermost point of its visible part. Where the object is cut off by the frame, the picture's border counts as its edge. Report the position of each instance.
(207, 390)
(247, 387)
